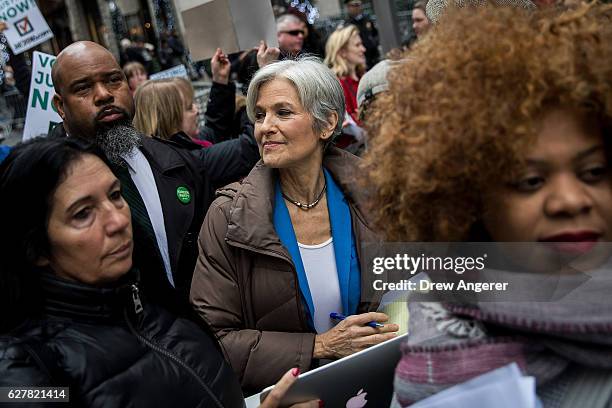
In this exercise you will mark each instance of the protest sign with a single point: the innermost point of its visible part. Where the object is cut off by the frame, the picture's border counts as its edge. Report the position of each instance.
(178, 71)
(231, 25)
(41, 115)
(26, 26)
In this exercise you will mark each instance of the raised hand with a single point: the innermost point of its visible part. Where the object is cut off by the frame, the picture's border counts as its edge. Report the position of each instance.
(266, 55)
(220, 67)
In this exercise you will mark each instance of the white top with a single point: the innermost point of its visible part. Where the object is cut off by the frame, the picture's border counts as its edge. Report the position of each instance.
(320, 267)
(142, 176)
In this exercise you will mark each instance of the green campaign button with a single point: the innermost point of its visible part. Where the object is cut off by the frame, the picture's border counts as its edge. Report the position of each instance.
(183, 194)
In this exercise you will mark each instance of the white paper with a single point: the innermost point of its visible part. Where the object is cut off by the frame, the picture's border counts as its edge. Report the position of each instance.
(26, 26)
(40, 115)
(504, 387)
(178, 71)
(232, 25)
(393, 296)
(352, 128)
(252, 401)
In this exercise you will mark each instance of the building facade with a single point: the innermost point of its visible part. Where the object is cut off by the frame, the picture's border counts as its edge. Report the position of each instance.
(105, 21)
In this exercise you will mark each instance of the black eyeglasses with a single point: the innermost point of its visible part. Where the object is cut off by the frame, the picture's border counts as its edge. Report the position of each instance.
(294, 33)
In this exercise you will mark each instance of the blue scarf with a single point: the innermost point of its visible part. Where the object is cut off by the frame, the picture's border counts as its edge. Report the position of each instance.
(347, 263)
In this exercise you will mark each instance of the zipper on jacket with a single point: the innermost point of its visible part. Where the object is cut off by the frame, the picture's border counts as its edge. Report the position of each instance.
(160, 350)
(136, 300)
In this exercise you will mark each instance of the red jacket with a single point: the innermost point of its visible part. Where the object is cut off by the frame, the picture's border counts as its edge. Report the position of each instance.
(349, 86)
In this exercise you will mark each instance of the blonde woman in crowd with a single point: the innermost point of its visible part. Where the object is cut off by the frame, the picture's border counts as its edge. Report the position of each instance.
(161, 112)
(345, 55)
(190, 107)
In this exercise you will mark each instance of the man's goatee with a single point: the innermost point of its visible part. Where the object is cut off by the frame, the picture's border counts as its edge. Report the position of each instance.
(118, 142)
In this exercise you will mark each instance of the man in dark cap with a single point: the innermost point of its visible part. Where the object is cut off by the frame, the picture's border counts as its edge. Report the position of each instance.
(367, 30)
(168, 188)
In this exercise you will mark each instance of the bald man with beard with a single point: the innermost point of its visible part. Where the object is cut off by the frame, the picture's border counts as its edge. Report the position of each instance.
(168, 188)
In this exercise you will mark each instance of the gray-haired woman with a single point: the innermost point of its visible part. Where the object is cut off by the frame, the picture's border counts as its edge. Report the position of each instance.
(280, 251)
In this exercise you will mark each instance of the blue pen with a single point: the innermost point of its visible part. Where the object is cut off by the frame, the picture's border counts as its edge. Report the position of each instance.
(340, 316)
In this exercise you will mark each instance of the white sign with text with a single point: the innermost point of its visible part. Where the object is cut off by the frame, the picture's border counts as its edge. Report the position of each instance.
(178, 71)
(41, 115)
(26, 26)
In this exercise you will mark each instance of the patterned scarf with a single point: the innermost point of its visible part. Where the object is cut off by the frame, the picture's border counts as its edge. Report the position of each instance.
(452, 343)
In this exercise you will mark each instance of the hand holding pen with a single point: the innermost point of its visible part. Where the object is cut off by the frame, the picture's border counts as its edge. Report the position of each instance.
(352, 334)
(340, 317)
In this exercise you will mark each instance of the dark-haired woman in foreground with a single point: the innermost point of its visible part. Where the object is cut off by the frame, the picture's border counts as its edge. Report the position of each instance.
(510, 144)
(72, 311)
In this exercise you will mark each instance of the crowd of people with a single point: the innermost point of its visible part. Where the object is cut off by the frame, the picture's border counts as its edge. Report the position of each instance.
(149, 262)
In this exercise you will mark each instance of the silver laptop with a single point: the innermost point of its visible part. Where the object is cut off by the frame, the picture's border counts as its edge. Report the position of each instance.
(363, 379)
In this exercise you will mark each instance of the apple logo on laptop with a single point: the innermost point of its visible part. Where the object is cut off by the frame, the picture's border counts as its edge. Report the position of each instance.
(357, 401)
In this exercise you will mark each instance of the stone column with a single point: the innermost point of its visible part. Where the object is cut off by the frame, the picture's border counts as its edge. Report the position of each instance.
(156, 27)
(388, 30)
(77, 20)
(108, 33)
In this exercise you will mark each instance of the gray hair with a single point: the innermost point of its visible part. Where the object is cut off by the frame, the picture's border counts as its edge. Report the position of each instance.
(318, 89)
(282, 21)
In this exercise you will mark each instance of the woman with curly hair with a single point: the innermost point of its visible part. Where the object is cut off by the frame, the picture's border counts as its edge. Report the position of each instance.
(499, 129)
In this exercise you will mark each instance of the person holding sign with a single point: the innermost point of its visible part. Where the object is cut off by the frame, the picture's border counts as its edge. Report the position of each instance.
(170, 188)
(25, 25)
(23, 71)
(280, 251)
(220, 108)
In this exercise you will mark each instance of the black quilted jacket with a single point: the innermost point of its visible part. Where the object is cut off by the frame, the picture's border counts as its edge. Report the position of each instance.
(113, 349)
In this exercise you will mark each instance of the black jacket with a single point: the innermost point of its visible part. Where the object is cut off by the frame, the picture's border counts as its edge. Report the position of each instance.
(22, 70)
(369, 37)
(185, 141)
(201, 171)
(220, 112)
(114, 349)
